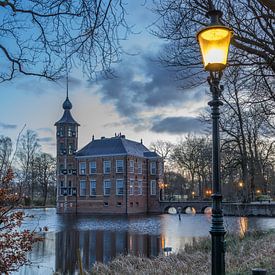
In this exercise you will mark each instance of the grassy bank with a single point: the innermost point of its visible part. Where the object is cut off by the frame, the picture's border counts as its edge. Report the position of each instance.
(243, 254)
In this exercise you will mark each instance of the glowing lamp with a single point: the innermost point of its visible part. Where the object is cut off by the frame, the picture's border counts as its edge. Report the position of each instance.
(214, 41)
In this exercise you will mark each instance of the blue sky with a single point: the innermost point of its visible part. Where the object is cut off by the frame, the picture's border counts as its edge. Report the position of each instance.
(143, 101)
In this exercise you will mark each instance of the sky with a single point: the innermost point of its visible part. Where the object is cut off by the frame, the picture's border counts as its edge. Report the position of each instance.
(144, 100)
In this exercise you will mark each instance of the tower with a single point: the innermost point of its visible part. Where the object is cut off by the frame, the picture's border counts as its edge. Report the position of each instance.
(66, 145)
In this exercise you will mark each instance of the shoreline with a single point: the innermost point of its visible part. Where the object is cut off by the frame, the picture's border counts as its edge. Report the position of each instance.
(255, 250)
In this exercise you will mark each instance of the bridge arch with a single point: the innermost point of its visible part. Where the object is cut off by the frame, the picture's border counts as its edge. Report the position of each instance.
(166, 209)
(206, 209)
(191, 207)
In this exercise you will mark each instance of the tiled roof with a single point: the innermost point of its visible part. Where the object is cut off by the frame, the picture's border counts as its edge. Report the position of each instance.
(66, 118)
(114, 146)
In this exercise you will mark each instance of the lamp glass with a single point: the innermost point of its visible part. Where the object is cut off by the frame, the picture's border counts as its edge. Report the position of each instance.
(214, 44)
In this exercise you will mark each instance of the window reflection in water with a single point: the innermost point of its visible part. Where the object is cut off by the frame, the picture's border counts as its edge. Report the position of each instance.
(101, 246)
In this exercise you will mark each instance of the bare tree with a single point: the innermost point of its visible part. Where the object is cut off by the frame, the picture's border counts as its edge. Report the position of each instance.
(45, 170)
(27, 152)
(194, 155)
(5, 155)
(162, 147)
(41, 36)
(253, 41)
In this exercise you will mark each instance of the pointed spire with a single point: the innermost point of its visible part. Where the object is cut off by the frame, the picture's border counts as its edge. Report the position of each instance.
(67, 105)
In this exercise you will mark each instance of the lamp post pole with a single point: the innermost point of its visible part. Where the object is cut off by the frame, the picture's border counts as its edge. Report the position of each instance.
(217, 230)
(214, 41)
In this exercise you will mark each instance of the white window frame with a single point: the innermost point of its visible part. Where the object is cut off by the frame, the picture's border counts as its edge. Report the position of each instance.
(153, 168)
(140, 167)
(105, 183)
(131, 187)
(92, 188)
(118, 191)
(160, 168)
(140, 186)
(81, 188)
(92, 167)
(82, 171)
(153, 187)
(105, 166)
(119, 166)
(132, 166)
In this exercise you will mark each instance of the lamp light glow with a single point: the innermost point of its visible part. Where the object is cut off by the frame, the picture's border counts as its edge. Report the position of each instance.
(214, 44)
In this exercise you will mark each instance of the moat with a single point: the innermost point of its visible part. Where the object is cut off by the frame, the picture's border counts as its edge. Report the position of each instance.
(101, 238)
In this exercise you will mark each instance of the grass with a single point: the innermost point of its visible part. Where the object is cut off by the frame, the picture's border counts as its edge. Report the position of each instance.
(254, 250)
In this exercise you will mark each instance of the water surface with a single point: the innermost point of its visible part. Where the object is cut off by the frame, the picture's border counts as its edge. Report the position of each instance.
(101, 238)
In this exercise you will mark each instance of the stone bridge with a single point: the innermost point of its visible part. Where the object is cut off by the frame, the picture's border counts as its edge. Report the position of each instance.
(229, 208)
(199, 206)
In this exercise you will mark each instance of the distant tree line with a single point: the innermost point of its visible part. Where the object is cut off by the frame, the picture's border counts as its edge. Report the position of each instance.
(245, 175)
(34, 173)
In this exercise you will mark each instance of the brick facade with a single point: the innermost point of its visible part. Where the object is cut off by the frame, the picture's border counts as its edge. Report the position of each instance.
(129, 183)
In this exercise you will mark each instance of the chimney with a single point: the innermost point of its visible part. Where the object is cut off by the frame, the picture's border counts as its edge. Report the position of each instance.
(93, 138)
(141, 141)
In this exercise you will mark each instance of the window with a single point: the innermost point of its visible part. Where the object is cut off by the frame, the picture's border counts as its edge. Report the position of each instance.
(70, 168)
(106, 166)
(131, 189)
(61, 130)
(92, 188)
(82, 168)
(119, 166)
(70, 149)
(160, 168)
(107, 187)
(62, 148)
(82, 188)
(119, 187)
(61, 168)
(92, 167)
(70, 188)
(70, 131)
(153, 168)
(106, 203)
(61, 188)
(118, 204)
(132, 166)
(153, 188)
(139, 187)
(139, 167)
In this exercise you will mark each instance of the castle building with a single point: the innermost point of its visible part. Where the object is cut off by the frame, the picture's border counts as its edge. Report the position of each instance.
(109, 175)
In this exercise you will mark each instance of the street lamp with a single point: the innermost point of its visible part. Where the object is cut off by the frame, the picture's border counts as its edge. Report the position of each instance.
(214, 41)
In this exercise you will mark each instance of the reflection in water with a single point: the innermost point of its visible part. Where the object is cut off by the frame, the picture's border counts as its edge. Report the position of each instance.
(243, 221)
(100, 246)
(190, 210)
(101, 238)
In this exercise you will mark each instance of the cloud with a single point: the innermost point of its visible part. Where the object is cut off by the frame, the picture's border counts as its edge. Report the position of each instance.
(45, 129)
(46, 139)
(178, 125)
(7, 126)
(43, 86)
(74, 83)
(143, 84)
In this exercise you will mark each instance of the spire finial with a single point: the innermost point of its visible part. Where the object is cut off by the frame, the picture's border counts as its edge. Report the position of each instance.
(67, 74)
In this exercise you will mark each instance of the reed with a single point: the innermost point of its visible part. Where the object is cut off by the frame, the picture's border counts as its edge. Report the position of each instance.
(243, 253)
